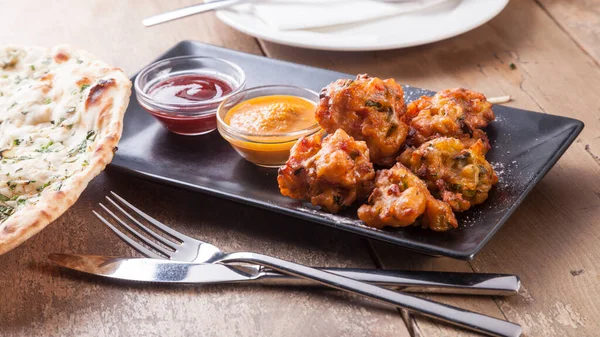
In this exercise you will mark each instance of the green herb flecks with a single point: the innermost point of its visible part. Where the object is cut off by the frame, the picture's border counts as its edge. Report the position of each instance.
(469, 193)
(41, 188)
(512, 66)
(11, 184)
(462, 156)
(82, 147)
(78, 149)
(5, 212)
(17, 142)
(45, 148)
(404, 184)
(48, 100)
(337, 199)
(83, 87)
(3, 197)
(391, 130)
(373, 104)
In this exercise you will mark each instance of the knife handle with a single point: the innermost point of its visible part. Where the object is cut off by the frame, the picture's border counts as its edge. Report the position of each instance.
(438, 311)
(412, 281)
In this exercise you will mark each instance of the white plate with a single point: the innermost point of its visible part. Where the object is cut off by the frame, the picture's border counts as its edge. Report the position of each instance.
(444, 21)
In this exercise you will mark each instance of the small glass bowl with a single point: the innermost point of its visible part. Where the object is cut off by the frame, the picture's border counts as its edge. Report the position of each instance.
(187, 118)
(271, 150)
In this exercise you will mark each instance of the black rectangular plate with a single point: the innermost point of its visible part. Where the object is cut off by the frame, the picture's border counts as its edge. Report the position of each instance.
(525, 146)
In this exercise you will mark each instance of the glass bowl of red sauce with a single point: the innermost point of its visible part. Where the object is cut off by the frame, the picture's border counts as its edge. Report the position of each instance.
(183, 93)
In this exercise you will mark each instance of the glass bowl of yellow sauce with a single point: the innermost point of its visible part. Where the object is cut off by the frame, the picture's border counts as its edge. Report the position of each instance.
(263, 123)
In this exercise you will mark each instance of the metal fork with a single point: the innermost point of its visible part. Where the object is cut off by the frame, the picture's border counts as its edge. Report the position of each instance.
(410, 281)
(206, 253)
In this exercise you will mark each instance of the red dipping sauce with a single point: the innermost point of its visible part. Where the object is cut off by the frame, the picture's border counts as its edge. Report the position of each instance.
(184, 92)
(189, 89)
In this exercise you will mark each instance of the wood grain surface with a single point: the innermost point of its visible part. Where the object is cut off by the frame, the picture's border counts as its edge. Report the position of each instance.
(551, 241)
(580, 19)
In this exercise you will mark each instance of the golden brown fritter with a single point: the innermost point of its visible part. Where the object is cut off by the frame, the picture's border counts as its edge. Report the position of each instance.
(458, 175)
(400, 198)
(458, 113)
(369, 109)
(332, 172)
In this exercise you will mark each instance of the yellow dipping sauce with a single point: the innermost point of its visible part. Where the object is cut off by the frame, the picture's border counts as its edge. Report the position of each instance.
(269, 119)
(268, 115)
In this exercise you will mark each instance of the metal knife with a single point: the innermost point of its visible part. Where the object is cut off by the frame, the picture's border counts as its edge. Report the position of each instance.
(163, 271)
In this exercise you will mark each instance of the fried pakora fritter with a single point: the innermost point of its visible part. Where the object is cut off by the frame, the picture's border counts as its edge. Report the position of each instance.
(400, 198)
(458, 113)
(460, 176)
(331, 172)
(369, 109)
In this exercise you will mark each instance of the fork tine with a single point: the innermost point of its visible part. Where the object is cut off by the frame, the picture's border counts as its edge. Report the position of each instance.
(142, 238)
(143, 250)
(144, 228)
(153, 221)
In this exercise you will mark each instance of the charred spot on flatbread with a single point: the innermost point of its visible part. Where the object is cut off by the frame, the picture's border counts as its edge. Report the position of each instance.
(61, 57)
(96, 92)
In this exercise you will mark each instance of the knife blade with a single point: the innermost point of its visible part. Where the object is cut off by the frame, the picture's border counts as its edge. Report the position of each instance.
(165, 271)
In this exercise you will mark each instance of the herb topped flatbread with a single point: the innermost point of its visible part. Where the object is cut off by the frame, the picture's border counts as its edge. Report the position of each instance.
(61, 115)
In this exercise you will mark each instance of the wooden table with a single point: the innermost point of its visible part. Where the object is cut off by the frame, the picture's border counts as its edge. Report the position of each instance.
(551, 241)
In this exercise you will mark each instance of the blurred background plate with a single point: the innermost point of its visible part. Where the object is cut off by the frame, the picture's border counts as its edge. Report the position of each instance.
(446, 20)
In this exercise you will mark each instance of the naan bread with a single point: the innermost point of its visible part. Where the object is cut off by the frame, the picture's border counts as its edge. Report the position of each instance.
(61, 117)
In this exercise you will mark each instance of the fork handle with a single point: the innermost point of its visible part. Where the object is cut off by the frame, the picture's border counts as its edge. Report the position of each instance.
(450, 314)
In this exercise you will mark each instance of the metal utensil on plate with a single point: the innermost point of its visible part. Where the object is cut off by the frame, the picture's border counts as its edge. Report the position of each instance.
(206, 7)
(190, 10)
(207, 253)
